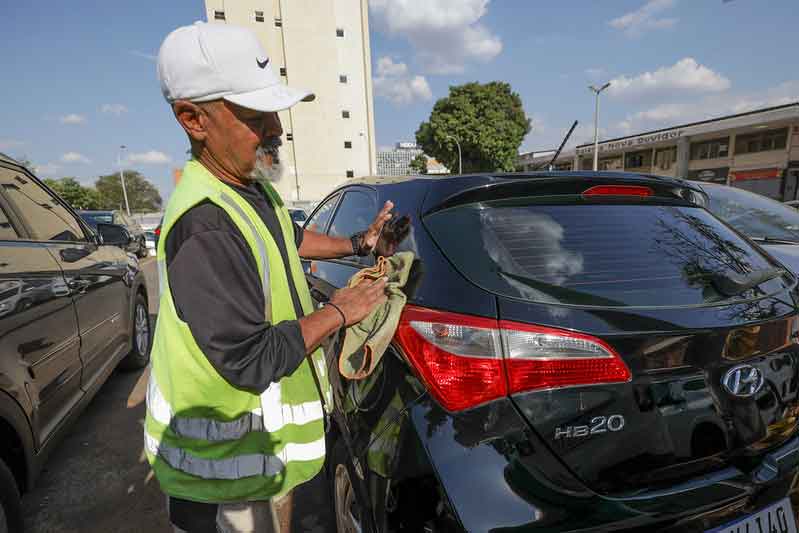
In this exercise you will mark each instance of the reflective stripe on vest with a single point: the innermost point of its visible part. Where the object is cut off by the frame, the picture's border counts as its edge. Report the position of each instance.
(214, 430)
(261, 251)
(237, 467)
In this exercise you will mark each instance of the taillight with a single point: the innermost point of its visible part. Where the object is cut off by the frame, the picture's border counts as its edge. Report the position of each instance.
(618, 190)
(466, 361)
(157, 231)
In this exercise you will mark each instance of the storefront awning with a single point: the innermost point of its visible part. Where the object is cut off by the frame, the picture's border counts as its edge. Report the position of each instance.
(756, 174)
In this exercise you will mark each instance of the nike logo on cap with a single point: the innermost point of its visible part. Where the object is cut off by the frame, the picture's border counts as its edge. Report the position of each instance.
(262, 64)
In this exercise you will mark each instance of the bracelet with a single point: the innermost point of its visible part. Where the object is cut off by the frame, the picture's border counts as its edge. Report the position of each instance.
(337, 308)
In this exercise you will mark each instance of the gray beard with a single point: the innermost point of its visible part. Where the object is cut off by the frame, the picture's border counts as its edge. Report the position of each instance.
(263, 171)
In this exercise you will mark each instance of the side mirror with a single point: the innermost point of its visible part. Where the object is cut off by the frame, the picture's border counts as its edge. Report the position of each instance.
(114, 234)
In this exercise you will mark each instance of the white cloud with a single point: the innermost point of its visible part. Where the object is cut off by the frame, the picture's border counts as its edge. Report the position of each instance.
(48, 169)
(685, 75)
(446, 34)
(644, 18)
(143, 55)
(114, 109)
(395, 84)
(10, 144)
(152, 157)
(75, 157)
(387, 67)
(671, 113)
(73, 118)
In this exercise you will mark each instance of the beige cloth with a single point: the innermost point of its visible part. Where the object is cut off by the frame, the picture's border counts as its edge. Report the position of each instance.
(366, 341)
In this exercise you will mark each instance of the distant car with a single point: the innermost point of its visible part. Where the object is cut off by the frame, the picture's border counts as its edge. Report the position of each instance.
(73, 307)
(138, 244)
(151, 241)
(298, 215)
(772, 224)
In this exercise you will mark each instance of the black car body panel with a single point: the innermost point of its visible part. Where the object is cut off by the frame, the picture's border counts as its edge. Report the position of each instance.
(498, 466)
(66, 310)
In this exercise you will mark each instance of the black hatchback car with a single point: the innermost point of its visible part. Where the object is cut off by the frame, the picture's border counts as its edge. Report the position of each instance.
(579, 352)
(73, 306)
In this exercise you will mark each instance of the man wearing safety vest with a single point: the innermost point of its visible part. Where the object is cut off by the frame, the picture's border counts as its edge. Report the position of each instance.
(234, 429)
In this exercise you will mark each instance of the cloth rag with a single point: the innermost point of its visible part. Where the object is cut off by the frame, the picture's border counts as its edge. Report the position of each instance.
(366, 341)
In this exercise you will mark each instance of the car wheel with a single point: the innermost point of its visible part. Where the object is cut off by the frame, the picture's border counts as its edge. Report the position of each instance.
(10, 504)
(345, 500)
(139, 354)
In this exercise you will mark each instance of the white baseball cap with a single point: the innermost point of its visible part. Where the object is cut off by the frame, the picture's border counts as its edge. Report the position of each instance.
(205, 62)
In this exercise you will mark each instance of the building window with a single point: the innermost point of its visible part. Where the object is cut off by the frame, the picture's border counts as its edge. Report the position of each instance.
(761, 141)
(282, 71)
(289, 136)
(641, 159)
(560, 166)
(342, 78)
(665, 158)
(345, 114)
(347, 144)
(712, 149)
(339, 32)
(219, 15)
(610, 163)
(259, 16)
(350, 173)
(278, 22)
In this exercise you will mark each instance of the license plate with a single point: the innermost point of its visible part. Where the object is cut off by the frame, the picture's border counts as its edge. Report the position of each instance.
(777, 518)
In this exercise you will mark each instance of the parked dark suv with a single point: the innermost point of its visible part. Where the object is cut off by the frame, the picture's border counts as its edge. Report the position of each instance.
(138, 240)
(579, 352)
(73, 305)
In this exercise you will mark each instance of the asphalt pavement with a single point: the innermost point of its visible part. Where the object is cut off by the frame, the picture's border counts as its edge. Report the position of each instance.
(97, 480)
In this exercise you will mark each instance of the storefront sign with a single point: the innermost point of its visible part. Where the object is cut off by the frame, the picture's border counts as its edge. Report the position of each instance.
(633, 142)
(756, 174)
(716, 175)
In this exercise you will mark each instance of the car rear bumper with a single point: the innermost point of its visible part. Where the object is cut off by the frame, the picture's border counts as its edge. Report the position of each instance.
(499, 476)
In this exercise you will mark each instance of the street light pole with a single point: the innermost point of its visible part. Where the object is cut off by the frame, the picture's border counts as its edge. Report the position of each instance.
(122, 179)
(596, 91)
(460, 158)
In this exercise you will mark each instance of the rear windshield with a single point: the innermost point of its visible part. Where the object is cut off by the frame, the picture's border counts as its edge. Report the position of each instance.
(95, 218)
(598, 255)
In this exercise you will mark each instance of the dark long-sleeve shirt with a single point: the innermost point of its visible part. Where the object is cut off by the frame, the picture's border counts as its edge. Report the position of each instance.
(214, 281)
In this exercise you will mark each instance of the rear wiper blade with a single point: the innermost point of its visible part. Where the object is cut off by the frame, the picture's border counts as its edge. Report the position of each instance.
(773, 240)
(731, 284)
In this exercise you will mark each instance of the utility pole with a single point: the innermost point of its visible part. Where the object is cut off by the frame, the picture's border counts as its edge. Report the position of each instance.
(460, 158)
(122, 178)
(596, 91)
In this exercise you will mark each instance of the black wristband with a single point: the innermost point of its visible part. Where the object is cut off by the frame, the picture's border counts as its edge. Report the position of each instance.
(337, 308)
(357, 245)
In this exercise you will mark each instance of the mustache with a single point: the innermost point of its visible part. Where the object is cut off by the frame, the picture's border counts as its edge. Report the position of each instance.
(271, 146)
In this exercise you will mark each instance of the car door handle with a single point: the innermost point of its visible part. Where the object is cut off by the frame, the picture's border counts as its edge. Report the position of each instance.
(78, 285)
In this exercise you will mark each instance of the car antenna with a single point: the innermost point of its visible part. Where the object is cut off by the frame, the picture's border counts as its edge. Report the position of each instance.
(557, 153)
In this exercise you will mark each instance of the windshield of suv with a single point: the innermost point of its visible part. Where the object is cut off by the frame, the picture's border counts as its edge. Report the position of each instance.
(601, 255)
(754, 215)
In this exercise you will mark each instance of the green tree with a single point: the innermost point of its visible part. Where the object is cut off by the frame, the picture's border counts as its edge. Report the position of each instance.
(487, 119)
(419, 164)
(74, 193)
(142, 195)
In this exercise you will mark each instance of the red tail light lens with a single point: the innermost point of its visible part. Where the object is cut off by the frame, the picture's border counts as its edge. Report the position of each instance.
(157, 231)
(458, 357)
(467, 361)
(618, 190)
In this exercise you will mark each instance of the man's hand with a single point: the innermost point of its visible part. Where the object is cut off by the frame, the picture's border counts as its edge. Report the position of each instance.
(357, 302)
(376, 228)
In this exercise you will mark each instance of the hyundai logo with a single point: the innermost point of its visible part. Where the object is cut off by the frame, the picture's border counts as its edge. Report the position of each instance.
(743, 381)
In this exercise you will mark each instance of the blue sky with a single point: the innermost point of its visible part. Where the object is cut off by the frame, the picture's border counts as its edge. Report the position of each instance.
(79, 77)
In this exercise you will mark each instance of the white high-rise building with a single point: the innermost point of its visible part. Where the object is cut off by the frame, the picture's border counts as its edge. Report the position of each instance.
(324, 47)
